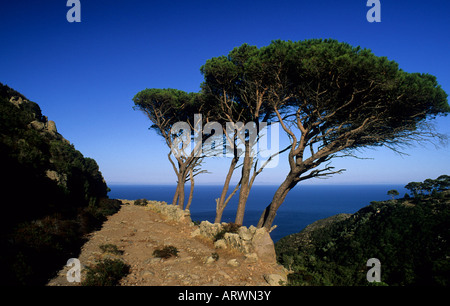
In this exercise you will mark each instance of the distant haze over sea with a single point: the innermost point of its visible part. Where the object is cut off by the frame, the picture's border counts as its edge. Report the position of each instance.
(303, 205)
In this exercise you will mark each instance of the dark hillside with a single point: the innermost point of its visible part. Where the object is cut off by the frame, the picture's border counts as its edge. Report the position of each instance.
(409, 236)
(51, 194)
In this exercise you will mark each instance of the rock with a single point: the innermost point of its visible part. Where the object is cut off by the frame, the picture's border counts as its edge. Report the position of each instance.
(209, 260)
(209, 230)
(233, 263)
(37, 125)
(147, 273)
(252, 257)
(61, 179)
(275, 279)
(224, 274)
(220, 244)
(172, 212)
(263, 246)
(51, 127)
(195, 232)
(252, 229)
(17, 101)
(245, 233)
(232, 240)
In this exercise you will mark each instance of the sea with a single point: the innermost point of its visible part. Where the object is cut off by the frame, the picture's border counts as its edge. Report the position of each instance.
(303, 205)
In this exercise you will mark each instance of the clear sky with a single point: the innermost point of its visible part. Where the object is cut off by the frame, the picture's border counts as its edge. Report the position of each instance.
(84, 75)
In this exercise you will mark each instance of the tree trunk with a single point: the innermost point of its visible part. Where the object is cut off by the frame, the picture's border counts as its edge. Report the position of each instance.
(270, 212)
(245, 188)
(191, 192)
(219, 212)
(264, 216)
(181, 196)
(175, 196)
(221, 204)
(180, 188)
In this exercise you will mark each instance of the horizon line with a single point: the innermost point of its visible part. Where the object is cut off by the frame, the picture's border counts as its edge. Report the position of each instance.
(260, 184)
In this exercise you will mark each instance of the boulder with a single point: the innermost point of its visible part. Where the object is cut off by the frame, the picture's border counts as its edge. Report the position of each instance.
(51, 127)
(61, 179)
(251, 241)
(245, 233)
(210, 230)
(234, 241)
(220, 244)
(263, 246)
(37, 125)
(252, 229)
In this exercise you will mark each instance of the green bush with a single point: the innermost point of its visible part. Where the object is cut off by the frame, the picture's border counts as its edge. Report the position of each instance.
(409, 237)
(227, 228)
(141, 202)
(215, 256)
(107, 272)
(39, 248)
(110, 248)
(166, 252)
(109, 207)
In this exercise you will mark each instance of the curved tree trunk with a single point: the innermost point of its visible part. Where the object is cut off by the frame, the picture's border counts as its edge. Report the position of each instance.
(181, 181)
(175, 196)
(219, 211)
(221, 203)
(191, 192)
(270, 212)
(245, 188)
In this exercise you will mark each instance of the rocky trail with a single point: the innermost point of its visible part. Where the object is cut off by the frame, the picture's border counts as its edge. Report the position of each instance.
(138, 231)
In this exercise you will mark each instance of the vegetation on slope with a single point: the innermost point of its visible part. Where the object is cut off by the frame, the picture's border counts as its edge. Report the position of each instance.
(51, 194)
(409, 236)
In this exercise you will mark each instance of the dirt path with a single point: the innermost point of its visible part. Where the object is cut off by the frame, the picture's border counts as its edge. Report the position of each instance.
(138, 231)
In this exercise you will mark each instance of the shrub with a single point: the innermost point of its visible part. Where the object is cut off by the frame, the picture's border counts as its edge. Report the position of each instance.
(109, 207)
(227, 228)
(215, 256)
(110, 248)
(166, 252)
(90, 219)
(107, 272)
(141, 202)
(412, 239)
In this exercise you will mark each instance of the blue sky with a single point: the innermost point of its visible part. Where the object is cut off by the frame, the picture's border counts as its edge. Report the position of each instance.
(84, 75)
